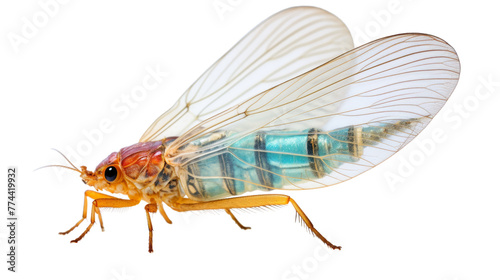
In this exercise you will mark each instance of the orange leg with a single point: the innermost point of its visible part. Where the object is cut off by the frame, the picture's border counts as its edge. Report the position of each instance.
(183, 204)
(150, 208)
(93, 195)
(100, 200)
(159, 202)
(236, 220)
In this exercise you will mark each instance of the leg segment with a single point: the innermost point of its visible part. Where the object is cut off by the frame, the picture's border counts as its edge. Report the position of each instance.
(159, 202)
(183, 204)
(150, 208)
(93, 195)
(311, 227)
(103, 201)
(236, 220)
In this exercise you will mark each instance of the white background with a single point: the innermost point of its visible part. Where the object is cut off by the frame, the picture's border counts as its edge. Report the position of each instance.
(440, 222)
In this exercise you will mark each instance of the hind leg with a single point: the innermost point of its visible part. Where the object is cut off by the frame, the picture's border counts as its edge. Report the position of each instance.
(184, 204)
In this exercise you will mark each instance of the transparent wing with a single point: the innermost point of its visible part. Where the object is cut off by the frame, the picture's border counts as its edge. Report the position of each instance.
(364, 105)
(285, 45)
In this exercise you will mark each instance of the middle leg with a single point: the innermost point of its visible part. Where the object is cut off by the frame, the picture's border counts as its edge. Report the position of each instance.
(150, 208)
(236, 220)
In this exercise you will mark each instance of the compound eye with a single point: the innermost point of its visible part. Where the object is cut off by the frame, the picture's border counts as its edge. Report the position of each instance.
(110, 174)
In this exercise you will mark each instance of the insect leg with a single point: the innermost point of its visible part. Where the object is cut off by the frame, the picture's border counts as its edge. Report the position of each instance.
(108, 201)
(159, 202)
(236, 220)
(183, 204)
(311, 227)
(93, 195)
(150, 208)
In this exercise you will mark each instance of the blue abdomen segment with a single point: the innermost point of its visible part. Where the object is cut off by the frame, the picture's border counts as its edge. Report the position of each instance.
(275, 159)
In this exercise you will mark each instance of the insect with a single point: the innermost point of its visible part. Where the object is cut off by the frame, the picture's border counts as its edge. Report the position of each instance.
(291, 106)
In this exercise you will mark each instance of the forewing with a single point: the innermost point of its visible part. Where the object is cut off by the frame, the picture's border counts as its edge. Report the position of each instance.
(388, 89)
(282, 47)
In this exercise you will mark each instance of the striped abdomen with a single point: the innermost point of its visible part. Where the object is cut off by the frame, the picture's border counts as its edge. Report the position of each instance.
(275, 159)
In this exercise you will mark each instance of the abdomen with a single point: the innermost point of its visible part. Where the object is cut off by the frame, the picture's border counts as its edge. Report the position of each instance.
(279, 159)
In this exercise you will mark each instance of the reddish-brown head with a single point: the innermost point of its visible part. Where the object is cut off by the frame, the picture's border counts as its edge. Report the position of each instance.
(136, 165)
